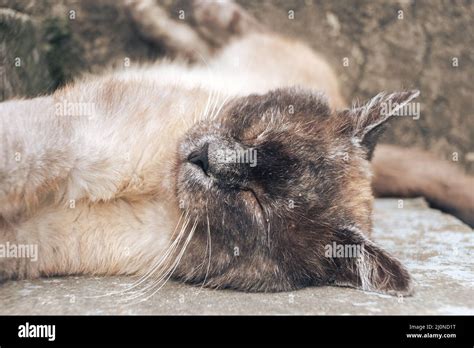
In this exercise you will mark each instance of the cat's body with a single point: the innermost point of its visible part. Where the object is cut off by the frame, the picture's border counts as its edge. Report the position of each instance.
(108, 190)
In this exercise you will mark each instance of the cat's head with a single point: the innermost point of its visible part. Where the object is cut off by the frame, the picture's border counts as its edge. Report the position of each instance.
(279, 187)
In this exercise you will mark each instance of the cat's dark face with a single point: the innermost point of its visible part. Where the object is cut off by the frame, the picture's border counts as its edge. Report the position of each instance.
(276, 184)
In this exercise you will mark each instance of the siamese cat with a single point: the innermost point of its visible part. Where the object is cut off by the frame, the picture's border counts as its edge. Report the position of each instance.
(239, 171)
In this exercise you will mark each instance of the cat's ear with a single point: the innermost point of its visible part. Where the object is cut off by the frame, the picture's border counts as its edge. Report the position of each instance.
(359, 263)
(365, 123)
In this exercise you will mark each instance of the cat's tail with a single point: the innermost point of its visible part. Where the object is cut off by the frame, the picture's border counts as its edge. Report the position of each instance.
(408, 172)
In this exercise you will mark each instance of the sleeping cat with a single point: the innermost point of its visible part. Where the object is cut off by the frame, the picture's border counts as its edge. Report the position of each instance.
(239, 172)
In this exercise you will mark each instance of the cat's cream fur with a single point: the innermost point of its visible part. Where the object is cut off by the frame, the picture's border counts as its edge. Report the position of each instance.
(77, 188)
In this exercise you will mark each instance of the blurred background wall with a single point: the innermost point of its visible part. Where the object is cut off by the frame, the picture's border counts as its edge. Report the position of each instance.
(372, 45)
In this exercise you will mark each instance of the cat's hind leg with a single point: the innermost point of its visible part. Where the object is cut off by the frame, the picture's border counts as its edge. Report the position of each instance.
(154, 25)
(199, 30)
(221, 21)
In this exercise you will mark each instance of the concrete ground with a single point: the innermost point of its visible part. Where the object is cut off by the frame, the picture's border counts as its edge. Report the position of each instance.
(436, 248)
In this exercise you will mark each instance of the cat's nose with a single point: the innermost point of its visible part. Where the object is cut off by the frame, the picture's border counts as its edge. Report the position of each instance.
(200, 157)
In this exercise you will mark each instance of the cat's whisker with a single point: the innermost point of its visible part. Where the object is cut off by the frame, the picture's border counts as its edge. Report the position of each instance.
(205, 114)
(187, 123)
(211, 105)
(161, 261)
(208, 104)
(208, 251)
(165, 258)
(165, 272)
(148, 274)
(220, 108)
(175, 264)
(211, 116)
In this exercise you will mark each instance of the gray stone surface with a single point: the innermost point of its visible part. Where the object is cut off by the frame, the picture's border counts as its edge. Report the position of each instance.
(437, 248)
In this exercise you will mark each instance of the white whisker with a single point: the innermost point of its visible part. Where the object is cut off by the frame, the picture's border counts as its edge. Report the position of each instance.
(177, 260)
(152, 269)
(209, 252)
(175, 244)
(220, 108)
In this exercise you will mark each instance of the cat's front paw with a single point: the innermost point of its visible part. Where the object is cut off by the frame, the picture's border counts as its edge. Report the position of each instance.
(7, 270)
(18, 260)
(15, 269)
(4, 276)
